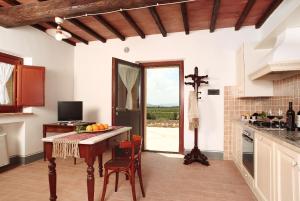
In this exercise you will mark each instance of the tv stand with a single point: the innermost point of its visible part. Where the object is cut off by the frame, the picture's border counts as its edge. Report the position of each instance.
(74, 123)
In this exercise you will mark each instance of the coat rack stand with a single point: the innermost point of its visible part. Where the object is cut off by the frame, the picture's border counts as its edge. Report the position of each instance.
(195, 155)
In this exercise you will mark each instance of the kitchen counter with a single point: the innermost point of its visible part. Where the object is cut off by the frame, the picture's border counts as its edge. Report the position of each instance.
(281, 137)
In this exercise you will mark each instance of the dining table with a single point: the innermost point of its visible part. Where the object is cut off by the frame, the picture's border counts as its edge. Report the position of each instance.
(90, 147)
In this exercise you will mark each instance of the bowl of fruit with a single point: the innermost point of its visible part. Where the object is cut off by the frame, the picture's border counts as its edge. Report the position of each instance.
(93, 128)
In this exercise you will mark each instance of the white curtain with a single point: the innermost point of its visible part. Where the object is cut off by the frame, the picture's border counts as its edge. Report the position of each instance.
(5, 73)
(128, 76)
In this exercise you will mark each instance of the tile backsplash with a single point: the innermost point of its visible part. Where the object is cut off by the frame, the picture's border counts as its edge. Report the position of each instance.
(285, 90)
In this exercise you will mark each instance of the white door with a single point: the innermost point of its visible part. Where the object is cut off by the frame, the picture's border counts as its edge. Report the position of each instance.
(287, 174)
(263, 167)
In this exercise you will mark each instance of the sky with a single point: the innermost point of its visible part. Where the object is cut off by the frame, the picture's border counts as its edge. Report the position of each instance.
(163, 86)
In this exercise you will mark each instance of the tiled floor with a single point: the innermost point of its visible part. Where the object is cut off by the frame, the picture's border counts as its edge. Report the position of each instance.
(165, 179)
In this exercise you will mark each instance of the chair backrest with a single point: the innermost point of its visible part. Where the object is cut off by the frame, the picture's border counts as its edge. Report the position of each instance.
(135, 145)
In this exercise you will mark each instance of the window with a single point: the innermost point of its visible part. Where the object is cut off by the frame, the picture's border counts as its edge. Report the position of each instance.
(8, 83)
(20, 85)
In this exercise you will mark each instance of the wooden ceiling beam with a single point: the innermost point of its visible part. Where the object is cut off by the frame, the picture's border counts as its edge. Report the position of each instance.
(244, 14)
(42, 28)
(12, 2)
(87, 29)
(185, 18)
(158, 21)
(36, 26)
(214, 15)
(69, 42)
(274, 4)
(133, 24)
(33, 13)
(39, 27)
(54, 25)
(111, 28)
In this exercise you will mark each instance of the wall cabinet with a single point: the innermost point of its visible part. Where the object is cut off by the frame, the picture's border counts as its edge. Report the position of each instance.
(263, 151)
(247, 58)
(287, 174)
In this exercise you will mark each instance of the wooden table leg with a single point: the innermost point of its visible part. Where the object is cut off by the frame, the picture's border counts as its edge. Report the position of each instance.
(44, 153)
(44, 135)
(90, 179)
(52, 179)
(100, 167)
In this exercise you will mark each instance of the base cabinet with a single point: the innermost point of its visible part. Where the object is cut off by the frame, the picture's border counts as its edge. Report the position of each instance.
(263, 167)
(287, 175)
(276, 167)
(237, 144)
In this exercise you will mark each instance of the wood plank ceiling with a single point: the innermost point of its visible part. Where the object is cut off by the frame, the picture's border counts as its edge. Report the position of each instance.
(164, 19)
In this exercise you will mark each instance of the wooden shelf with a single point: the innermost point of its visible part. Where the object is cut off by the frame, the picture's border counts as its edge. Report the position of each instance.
(15, 114)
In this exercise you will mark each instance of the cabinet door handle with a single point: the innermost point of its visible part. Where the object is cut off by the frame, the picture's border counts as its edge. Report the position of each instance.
(294, 163)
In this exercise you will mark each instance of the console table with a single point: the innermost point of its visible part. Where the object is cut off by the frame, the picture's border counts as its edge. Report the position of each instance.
(60, 128)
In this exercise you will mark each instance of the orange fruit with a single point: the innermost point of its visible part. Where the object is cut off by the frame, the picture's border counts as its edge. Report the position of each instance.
(105, 126)
(95, 127)
(101, 127)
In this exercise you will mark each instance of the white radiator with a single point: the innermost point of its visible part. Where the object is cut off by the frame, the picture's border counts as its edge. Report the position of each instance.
(4, 160)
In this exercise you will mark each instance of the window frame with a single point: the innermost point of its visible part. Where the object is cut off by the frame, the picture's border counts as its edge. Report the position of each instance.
(13, 60)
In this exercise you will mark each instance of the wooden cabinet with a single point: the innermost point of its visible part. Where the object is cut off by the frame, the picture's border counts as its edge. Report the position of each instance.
(247, 59)
(276, 167)
(287, 174)
(30, 85)
(237, 151)
(240, 70)
(237, 143)
(263, 177)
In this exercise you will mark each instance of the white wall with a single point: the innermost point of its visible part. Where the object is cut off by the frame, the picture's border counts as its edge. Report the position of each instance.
(58, 58)
(213, 53)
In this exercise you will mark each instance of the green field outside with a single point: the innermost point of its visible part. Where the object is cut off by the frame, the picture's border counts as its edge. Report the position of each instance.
(162, 113)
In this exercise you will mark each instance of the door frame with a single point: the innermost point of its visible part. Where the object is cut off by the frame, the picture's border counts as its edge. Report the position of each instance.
(180, 64)
(114, 81)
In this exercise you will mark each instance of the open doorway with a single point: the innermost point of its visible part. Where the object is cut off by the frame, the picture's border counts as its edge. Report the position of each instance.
(163, 123)
(129, 108)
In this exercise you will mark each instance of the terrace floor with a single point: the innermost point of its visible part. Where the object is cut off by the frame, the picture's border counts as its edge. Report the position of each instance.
(162, 139)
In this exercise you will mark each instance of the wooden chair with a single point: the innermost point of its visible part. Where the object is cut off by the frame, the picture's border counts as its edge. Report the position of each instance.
(129, 163)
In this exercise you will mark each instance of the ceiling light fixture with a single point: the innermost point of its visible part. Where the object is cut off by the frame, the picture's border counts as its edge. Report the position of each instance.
(58, 33)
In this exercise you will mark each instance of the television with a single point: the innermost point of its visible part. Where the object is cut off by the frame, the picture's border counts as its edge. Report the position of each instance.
(69, 111)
